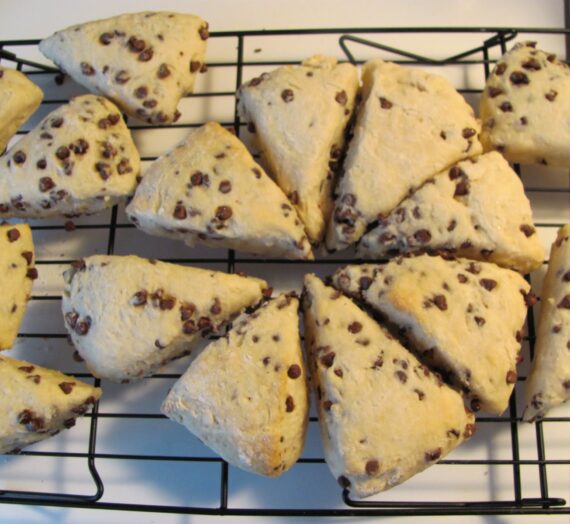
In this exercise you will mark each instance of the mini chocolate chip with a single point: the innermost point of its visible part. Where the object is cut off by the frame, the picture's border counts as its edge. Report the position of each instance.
(456, 172)
(225, 186)
(338, 372)
(468, 132)
(166, 303)
(106, 38)
(251, 127)
(80, 147)
(45, 184)
(124, 166)
(423, 236)
(56, 122)
(372, 468)
(204, 323)
(494, 91)
(557, 328)
(197, 178)
(527, 230)
(256, 172)
(82, 327)
(141, 92)
(180, 211)
(488, 283)
(385, 103)
(440, 302)
(41, 163)
(195, 66)
(28, 255)
(203, 32)
(506, 107)
(135, 44)
(294, 371)
(289, 404)
(364, 283)
(475, 404)
(62, 153)
(341, 97)
(530, 299)
(551, 95)
(480, 321)
(402, 377)
(327, 405)
(519, 78)
(433, 455)
(355, 327)
(461, 189)
(139, 298)
(13, 235)
(223, 212)
(443, 135)
(189, 327)
(146, 55)
(511, 377)
(163, 71)
(87, 69)
(151, 103)
(122, 77)
(66, 387)
(103, 169)
(564, 303)
(343, 482)
(287, 95)
(327, 359)
(216, 308)
(532, 64)
(19, 157)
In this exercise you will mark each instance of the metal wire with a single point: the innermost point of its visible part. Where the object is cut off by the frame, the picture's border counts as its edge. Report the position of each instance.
(518, 504)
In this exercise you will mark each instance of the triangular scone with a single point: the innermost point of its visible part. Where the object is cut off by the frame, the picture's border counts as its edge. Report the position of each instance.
(463, 317)
(17, 272)
(245, 395)
(128, 316)
(522, 106)
(477, 209)
(79, 159)
(299, 115)
(384, 416)
(38, 403)
(548, 383)
(19, 98)
(209, 190)
(145, 62)
(410, 125)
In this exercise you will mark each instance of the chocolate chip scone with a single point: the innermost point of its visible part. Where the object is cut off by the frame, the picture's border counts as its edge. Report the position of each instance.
(410, 126)
(17, 272)
(548, 384)
(298, 115)
(477, 209)
(209, 190)
(79, 159)
(128, 316)
(38, 403)
(245, 395)
(19, 98)
(462, 317)
(144, 62)
(384, 416)
(522, 104)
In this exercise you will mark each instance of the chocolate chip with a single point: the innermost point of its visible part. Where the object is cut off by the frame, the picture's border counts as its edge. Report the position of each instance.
(527, 230)
(251, 127)
(475, 404)
(423, 236)
(461, 189)
(564, 303)
(287, 95)
(203, 32)
(32, 421)
(256, 172)
(480, 321)
(488, 283)
(519, 78)
(197, 178)
(440, 302)
(364, 283)
(19, 157)
(163, 71)
(530, 299)
(402, 377)
(204, 323)
(551, 95)
(13, 235)
(87, 69)
(146, 55)
(166, 303)
(506, 107)
(141, 92)
(355, 327)
(28, 255)
(66, 387)
(225, 186)
(106, 38)
(41, 163)
(45, 184)
(372, 468)
(82, 328)
(343, 482)
(341, 97)
(289, 404)
(62, 153)
(385, 103)
(494, 91)
(56, 122)
(180, 211)
(189, 327)
(327, 360)
(122, 77)
(139, 298)
(186, 311)
(124, 166)
(103, 169)
(223, 212)
(433, 455)
(468, 132)
(511, 377)
(532, 64)
(456, 172)
(135, 44)
(216, 308)
(327, 405)
(452, 225)
(294, 371)
(194, 66)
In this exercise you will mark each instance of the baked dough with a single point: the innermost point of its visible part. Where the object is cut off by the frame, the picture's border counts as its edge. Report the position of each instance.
(17, 272)
(38, 403)
(245, 395)
(144, 62)
(128, 316)
(522, 107)
(548, 383)
(209, 190)
(299, 115)
(462, 317)
(384, 417)
(477, 209)
(79, 159)
(410, 126)
(19, 98)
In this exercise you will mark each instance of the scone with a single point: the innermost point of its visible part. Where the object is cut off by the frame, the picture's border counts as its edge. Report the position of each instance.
(245, 396)
(19, 98)
(17, 272)
(79, 159)
(299, 115)
(477, 209)
(548, 383)
(410, 126)
(38, 403)
(128, 316)
(144, 62)
(462, 317)
(209, 190)
(522, 107)
(384, 416)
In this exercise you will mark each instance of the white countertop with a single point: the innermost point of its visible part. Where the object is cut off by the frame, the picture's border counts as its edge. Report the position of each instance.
(306, 485)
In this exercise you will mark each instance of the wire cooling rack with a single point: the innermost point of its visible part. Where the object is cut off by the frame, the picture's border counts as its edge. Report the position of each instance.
(510, 468)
